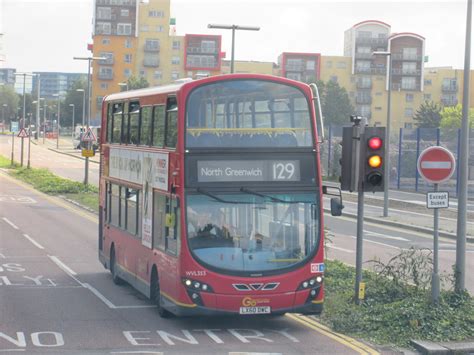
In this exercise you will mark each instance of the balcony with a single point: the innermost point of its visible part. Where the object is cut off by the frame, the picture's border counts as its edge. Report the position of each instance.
(106, 75)
(371, 70)
(451, 101)
(363, 56)
(194, 49)
(364, 84)
(407, 57)
(400, 87)
(151, 62)
(374, 42)
(449, 87)
(151, 47)
(108, 61)
(406, 72)
(295, 67)
(363, 100)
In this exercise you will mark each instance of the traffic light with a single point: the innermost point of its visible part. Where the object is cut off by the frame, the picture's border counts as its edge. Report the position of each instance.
(348, 177)
(374, 158)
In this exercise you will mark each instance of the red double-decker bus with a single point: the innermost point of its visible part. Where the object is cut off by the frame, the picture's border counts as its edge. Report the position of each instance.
(211, 195)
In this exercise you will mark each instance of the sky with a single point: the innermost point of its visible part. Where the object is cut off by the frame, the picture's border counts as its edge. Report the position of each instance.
(44, 35)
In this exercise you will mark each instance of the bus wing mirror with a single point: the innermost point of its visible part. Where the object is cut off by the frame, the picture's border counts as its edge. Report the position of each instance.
(336, 207)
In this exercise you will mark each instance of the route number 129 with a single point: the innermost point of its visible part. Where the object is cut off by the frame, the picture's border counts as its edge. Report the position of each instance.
(285, 171)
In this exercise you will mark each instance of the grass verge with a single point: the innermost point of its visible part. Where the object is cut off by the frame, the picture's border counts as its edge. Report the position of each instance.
(395, 310)
(45, 181)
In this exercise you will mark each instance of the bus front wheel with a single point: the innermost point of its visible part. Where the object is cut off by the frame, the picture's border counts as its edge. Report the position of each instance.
(113, 268)
(155, 295)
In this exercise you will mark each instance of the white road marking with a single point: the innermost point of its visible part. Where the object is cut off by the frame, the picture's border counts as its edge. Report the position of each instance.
(136, 352)
(341, 249)
(374, 242)
(62, 266)
(100, 296)
(10, 223)
(8, 350)
(375, 234)
(34, 242)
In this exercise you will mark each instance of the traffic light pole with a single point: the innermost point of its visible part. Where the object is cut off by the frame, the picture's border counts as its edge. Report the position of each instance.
(359, 128)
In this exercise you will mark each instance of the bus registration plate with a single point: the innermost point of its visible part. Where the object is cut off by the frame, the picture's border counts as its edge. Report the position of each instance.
(255, 310)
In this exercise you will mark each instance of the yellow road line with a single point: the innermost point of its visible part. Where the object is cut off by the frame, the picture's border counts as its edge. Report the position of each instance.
(340, 338)
(55, 200)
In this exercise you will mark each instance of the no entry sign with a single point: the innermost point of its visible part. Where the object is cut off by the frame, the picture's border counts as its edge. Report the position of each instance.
(436, 164)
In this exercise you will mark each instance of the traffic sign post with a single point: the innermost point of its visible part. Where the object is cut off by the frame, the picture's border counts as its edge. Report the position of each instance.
(436, 165)
(22, 134)
(87, 138)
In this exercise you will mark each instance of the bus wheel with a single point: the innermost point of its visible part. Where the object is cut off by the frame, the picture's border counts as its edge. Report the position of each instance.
(155, 295)
(113, 268)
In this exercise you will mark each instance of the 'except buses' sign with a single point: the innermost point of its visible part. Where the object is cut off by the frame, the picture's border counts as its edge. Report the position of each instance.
(248, 170)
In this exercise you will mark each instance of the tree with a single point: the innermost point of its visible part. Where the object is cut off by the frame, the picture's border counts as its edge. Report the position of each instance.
(451, 117)
(76, 98)
(137, 83)
(428, 115)
(9, 97)
(336, 105)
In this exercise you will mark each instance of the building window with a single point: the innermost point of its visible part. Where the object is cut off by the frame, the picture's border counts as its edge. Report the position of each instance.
(104, 86)
(427, 97)
(157, 74)
(294, 76)
(159, 28)
(155, 13)
(124, 29)
(409, 68)
(127, 72)
(104, 13)
(427, 82)
(175, 60)
(144, 28)
(410, 53)
(408, 83)
(124, 12)
(128, 43)
(109, 58)
(341, 65)
(105, 41)
(152, 45)
(127, 58)
(174, 75)
(176, 44)
(408, 112)
(310, 65)
(409, 97)
(103, 28)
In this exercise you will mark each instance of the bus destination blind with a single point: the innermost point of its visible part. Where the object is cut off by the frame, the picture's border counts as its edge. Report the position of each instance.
(248, 170)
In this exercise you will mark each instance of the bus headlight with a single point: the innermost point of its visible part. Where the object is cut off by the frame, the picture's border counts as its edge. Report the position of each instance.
(194, 285)
(314, 282)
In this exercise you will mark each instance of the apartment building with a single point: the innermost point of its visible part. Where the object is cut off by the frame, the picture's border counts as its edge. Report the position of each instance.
(202, 55)
(7, 76)
(300, 66)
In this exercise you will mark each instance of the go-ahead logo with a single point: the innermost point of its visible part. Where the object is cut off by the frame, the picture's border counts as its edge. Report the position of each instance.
(252, 302)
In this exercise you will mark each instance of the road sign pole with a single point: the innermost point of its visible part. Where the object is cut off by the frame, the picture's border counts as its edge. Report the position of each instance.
(435, 276)
(21, 155)
(29, 150)
(13, 145)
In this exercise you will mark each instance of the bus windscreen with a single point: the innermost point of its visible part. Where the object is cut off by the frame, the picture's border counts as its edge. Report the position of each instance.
(247, 113)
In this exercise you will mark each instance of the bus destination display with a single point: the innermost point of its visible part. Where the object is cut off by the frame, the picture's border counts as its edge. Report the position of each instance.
(248, 170)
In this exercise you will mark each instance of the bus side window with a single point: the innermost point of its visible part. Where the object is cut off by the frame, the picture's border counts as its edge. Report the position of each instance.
(117, 123)
(172, 225)
(133, 207)
(134, 118)
(125, 125)
(159, 126)
(114, 213)
(110, 126)
(159, 212)
(145, 125)
(171, 122)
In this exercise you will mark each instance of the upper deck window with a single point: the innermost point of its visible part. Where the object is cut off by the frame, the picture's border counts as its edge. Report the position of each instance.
(248, 113)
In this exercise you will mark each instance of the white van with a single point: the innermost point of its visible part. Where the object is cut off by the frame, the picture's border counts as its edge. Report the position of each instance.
(80, 130)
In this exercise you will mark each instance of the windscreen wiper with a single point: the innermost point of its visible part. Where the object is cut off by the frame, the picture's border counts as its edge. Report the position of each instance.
(218, 199)
(274, 199)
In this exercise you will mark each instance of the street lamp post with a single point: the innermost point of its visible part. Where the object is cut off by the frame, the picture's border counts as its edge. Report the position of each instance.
(89, 62)
(83, 106)
(59, 119)
(44, 121)
(73, 114)
(387, 137)
(233, 28)
(3, 112)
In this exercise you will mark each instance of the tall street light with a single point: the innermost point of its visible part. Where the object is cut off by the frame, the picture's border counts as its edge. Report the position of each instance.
(44, 121)
(233, 28)
(387, 137)
(4, 106)
(89, 62)
(83, 106)
(22, 121)
(73, 114)
(59, 119)
(38, 106)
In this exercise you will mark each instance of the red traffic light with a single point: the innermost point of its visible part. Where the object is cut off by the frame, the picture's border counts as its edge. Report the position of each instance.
(375, 143)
